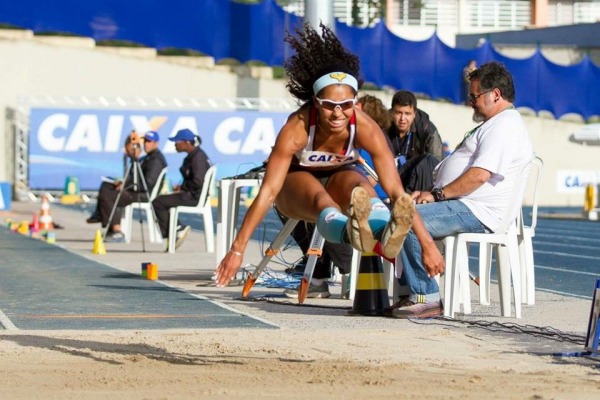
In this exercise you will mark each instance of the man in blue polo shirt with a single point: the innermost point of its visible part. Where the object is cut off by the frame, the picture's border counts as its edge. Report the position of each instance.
(193, 170)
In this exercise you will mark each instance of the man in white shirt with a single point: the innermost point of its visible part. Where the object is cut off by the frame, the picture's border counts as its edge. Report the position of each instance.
(472, 185)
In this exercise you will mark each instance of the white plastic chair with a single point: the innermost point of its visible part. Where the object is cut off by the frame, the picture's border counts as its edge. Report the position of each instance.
(506, 243)
(127, 219)
(203, 208)
(525, 234)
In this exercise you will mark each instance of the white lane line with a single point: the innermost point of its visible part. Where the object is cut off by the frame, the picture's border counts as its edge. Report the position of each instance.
(568, 246)
(568, 271)
(7, 323)
(557, 253)
(564, 236)
(563, 293)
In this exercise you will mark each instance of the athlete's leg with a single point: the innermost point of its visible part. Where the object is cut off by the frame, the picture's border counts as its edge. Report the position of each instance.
(304, 197)
(367, 213)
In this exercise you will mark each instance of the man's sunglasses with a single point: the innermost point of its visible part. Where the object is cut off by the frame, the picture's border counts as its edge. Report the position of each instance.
(473, 97)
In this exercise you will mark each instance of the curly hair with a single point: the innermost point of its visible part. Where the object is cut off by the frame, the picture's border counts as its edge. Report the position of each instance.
(316, 55)
(374, 108)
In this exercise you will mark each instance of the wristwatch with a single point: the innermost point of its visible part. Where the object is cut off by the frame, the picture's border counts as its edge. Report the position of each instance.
(438, 194)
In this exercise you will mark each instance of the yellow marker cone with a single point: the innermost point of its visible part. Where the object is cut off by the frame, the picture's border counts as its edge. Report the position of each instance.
(98, 244)
(24, 228)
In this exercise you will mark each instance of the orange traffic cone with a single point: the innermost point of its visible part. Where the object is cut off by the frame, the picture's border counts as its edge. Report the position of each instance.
(34, 227)
(371, 297)
(35, 223)
(45, 217)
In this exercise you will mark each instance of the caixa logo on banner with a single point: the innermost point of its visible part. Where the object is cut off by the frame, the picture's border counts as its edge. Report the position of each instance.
(89, 143)
(575, 181)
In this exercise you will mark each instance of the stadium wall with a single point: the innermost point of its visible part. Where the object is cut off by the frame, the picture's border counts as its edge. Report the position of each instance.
(30, 68)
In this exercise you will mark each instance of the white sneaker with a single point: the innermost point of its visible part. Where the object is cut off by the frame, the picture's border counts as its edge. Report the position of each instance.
(182, 234)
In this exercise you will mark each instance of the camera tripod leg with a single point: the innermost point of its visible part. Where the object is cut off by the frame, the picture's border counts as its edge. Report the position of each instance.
(135, 169)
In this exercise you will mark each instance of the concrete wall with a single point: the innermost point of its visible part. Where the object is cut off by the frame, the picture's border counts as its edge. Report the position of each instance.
(38, 66)
(33, 68)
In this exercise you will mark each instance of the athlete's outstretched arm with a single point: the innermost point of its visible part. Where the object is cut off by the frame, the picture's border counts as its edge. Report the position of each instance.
(286, 145)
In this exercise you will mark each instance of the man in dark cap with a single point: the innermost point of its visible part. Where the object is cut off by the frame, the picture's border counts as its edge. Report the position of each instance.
(151, 166)
(193, 170)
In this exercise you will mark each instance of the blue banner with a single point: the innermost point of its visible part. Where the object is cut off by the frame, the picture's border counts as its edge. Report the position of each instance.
(88, 144)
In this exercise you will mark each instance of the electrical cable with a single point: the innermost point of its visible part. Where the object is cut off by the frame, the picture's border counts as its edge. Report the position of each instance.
(271, 300)
(547, 332)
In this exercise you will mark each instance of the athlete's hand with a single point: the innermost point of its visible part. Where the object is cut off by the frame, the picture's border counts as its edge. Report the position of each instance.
(433, 260)
(229, 266)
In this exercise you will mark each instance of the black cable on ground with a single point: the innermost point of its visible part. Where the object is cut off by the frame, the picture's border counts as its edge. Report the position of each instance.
(547, 332)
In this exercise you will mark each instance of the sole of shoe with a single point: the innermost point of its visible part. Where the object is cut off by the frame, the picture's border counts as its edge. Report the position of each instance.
(359, 231)
(434, 311)
(320, 295)
(118, 239)
(401, 220)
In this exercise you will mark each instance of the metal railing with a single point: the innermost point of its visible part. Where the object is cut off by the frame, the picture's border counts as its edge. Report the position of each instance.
(424, 13)
(205, 103)
(342, 10)
(586, 12)
(499, 14)
(569, 12)
(509, 14)
(479, 14)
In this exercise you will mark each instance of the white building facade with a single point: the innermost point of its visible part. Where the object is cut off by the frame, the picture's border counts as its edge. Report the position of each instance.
(419, 19)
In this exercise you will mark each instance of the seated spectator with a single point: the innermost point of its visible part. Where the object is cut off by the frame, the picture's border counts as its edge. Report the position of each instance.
(374, 108)
(193, 170)
(473, 185)
(129, 191)
(416, 142)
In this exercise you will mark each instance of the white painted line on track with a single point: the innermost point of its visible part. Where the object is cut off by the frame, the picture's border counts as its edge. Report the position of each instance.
(557, 253)
(567, 246)
(568, 271)
(7, 323)
(577, 237)
(563, 293)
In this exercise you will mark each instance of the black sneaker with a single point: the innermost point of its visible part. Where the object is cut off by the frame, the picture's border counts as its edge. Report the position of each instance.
(314, 291)
(402, 302)
(114, 237)
(94, 218)
(182, 234)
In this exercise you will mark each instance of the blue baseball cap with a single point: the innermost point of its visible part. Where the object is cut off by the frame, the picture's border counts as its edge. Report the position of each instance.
(183, 134)
(151, 136)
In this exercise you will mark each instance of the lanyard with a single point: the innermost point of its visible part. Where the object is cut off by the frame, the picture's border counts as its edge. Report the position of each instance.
(407, 146)
(467, 135)
(407, 143)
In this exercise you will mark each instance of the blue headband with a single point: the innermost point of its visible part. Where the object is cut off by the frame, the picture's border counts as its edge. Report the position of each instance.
(335, 78)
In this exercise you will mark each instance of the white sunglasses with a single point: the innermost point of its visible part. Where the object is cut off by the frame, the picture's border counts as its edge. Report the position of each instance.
(331, 105)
